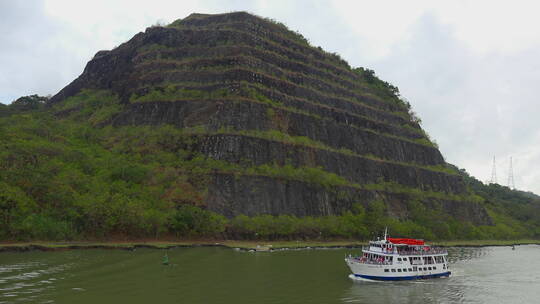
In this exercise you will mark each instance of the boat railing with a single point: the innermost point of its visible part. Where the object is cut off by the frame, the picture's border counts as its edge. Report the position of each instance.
(380, 250)
(429, 251)
(370, 261)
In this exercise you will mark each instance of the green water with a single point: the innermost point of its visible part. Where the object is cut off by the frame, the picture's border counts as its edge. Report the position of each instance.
(219, 275)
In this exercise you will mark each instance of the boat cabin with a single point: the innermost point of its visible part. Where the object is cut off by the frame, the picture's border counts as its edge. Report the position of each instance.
(402, 251)
(399, 259)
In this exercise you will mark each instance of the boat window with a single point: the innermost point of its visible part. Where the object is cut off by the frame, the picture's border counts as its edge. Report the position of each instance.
(415, 268)
(434, 268)
(410, 269)
(425, 268)
(393, 270)
(429, 268)
(404, 269)
(399, 259)
(386, 270)
(399, 270)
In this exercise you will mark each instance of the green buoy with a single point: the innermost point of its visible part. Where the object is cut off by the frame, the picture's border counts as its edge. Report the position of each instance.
(165, 259)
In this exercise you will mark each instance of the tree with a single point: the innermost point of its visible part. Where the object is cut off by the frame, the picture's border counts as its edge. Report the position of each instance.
(14, 205)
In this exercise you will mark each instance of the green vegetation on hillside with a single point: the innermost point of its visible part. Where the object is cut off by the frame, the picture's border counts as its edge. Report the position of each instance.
(22, 104)
(307, 54)
(87, 166)
(174, 92)
(512, 209)
(66, 174)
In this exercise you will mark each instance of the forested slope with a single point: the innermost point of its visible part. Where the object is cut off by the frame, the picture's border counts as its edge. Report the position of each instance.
(231, 126)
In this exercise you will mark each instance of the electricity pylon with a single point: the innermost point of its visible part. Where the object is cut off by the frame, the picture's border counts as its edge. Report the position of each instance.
(493, 173)
(511, 184)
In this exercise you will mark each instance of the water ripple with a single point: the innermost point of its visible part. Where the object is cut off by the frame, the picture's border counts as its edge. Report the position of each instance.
(214, 275)
(29, 280)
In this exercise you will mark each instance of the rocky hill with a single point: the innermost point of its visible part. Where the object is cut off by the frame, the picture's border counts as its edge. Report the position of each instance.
(233, 126)
(253, 94)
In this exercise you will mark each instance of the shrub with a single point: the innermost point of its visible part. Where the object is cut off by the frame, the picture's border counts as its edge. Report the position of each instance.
(42, 227)
(189, 220)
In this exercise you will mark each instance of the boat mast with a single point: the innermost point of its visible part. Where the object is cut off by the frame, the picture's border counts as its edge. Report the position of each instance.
(385, 233)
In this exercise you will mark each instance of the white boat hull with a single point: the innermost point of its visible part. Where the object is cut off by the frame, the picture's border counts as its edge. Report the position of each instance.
(377, 272)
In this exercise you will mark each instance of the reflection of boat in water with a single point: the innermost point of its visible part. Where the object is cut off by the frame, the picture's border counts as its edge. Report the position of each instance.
(395, 259)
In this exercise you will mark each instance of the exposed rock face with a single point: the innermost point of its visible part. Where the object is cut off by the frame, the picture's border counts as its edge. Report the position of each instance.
(263, 195)
(233, 73)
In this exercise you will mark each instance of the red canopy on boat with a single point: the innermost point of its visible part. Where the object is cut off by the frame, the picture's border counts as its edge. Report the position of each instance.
(405, 241)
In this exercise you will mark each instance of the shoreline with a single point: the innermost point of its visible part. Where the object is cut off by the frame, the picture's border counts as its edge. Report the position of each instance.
(132, 245)
(237, 245)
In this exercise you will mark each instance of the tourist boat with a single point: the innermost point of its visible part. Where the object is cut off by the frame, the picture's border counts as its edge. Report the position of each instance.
(396, 259)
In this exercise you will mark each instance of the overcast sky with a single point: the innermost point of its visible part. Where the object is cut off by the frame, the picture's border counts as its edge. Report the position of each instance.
(470, 69)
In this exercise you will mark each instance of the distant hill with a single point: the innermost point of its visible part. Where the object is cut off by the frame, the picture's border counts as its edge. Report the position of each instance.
(513, 207)
(3, 109)
(231, 125)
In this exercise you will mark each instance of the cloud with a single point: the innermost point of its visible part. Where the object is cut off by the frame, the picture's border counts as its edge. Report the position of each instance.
(487, 26)
(46, 44)
(474, 104)
(26, 49)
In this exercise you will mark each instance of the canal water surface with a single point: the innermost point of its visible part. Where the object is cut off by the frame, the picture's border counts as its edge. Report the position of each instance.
(220, 275)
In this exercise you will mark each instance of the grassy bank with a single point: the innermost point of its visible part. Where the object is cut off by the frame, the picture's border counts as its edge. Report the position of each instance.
(129, 245)
(244, 245)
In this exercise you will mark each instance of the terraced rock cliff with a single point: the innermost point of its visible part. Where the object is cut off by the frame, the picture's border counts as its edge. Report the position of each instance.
(258, 98)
